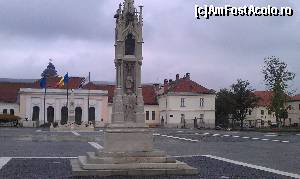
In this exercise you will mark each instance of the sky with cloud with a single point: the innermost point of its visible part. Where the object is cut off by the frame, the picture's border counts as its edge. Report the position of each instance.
(79, 37)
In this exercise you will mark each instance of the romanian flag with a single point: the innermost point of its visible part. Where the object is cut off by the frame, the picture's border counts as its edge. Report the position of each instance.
(60, 83)
(63, 81)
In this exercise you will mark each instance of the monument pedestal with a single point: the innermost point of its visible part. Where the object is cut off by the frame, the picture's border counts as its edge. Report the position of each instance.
(128, 152)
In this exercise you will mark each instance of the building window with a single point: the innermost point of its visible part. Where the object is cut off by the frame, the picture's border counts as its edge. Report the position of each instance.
(129, 45)
(64, 115)
(299, 106)
(270, 112)
(171, 115)
(78, 115)
(250, 112)
(12, 112)
(182, 102)
(153, 115)
(35, 113)
(92, 114)
(262, 112)
(182, 118)
(4, 111)
(166, 102)
(201, 102)
(147, 115)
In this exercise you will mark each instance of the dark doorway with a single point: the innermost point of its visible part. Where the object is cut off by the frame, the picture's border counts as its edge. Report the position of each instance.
(92, 114)
(12, 112)
(130, 45)
(36, 113)
(195, 123)
(64, 115)
(50, 114)
(78, 115)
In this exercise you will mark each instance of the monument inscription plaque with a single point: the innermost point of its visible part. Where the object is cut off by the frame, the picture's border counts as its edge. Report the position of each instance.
(128, 142)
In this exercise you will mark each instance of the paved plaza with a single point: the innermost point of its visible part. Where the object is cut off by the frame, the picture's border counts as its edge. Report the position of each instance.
(39, 153)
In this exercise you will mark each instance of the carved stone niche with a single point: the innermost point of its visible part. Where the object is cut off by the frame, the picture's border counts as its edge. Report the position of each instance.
(129, 78)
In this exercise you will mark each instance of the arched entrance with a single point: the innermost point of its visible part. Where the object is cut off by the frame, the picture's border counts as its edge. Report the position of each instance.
(35, 113)
(78, 115)
(50, 114)
(64, 115)
(92, 114)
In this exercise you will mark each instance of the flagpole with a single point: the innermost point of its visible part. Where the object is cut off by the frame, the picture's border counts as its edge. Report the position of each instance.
(89, 96)
(45, 101)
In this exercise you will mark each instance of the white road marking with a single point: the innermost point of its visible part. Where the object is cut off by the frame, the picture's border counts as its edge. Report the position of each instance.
(286, 141)
(4, 161)
(246, 137)
(216, 135)
(44, 157)
(164, 135)
(156, 134)
(255, 167)
(38, 130)
(196, 133)
(236, 136)
(75, 133)
(100, 130)
(179, 131)
(96, 145)
(275, 140)
(206, 134)
(271, 135)
(298, 134)
(255, 138)
(265, 139)
(226, 135)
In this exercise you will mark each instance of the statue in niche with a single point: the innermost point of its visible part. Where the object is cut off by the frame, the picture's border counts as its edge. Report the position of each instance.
(129, 85)
(130, 45)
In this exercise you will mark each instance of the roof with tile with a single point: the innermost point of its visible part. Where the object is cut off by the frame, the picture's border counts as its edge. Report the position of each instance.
(265, 98)
(296, 98)
(186, 85)
(9, 91)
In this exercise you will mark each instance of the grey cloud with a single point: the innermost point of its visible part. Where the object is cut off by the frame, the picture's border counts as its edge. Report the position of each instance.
(79, 36)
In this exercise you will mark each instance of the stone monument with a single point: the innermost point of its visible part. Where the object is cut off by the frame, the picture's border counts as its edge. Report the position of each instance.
(128, 143)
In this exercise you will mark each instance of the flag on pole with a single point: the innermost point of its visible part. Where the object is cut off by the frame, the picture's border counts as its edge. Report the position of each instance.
(84, 81)
(66, 79)
(63, 81)
(43, 83)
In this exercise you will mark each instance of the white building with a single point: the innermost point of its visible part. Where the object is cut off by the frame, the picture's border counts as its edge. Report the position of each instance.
(177, 103)
(260, 116)
(34, 112)
(293, 107)
(184, 103)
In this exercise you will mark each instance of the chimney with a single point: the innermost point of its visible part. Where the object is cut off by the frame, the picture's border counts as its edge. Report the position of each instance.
(156, 86)
(188, 76)
(166, 82)
(177, 77)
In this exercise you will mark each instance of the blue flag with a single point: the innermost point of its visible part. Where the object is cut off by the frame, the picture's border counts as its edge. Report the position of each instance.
(66, 79)
(43, 83)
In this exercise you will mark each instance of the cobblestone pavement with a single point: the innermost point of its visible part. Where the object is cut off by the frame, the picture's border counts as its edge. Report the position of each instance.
(39, 153)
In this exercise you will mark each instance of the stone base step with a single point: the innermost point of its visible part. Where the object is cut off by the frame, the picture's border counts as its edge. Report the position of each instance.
(93, 159)
(155, 153)
(125, 166)
(78, 171)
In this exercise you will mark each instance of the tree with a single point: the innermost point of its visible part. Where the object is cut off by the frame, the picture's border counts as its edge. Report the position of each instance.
(244, 99)
(49, 71)
(224, 107)
(277, 78)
